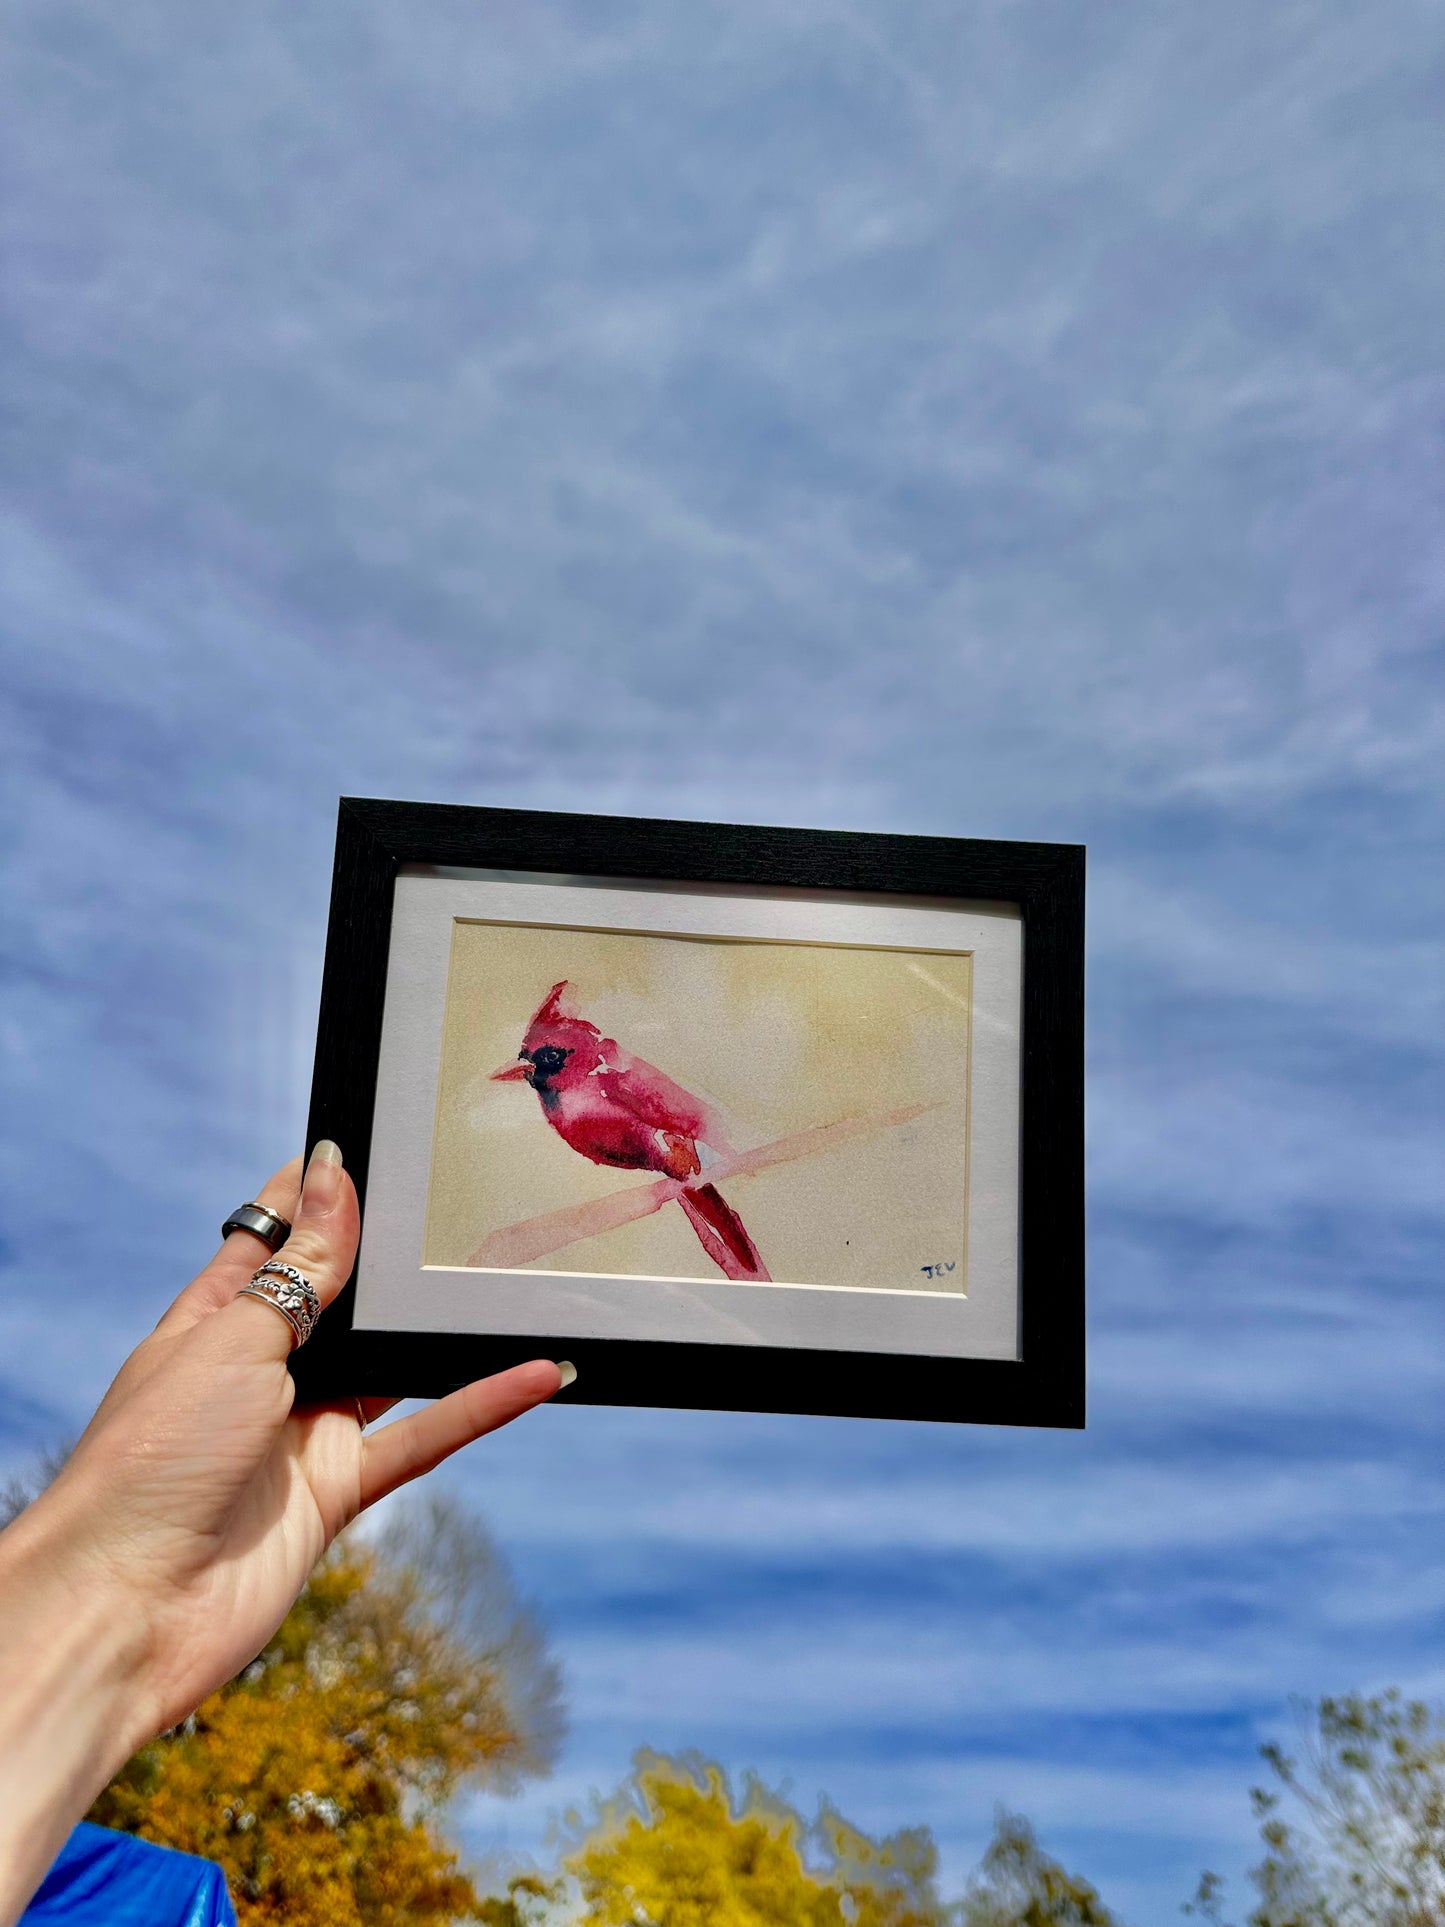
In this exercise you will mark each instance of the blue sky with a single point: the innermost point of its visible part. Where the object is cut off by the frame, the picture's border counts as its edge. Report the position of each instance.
(1015, 420)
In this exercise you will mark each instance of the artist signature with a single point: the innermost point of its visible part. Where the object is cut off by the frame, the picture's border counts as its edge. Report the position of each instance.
(938, 1271)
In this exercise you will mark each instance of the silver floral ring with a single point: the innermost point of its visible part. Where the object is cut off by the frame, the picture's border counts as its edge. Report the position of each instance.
(289, 1291)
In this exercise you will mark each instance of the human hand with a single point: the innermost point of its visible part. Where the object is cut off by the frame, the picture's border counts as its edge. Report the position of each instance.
(173, 1542)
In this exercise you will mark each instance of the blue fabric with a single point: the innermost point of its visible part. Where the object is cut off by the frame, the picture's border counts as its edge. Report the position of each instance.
(105, 1879)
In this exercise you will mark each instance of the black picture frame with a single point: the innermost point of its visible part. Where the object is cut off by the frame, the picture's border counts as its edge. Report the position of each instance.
(1044, 1386)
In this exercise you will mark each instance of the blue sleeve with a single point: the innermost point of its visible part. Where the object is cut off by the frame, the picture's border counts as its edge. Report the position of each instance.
(105, 1879)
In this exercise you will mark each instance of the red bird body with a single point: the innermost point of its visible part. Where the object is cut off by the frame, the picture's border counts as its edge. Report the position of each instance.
(617, 1109)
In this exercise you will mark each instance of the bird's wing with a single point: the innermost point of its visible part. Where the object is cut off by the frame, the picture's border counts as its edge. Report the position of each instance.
(655, 1100)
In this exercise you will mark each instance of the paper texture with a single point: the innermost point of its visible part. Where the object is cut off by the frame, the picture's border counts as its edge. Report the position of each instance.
(774, 1039)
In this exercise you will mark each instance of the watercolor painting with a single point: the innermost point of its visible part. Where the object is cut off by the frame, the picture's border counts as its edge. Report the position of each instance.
(618, 1109)
(664, 1106)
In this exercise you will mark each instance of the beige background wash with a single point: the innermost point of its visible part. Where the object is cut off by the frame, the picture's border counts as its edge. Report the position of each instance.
(778, 1036)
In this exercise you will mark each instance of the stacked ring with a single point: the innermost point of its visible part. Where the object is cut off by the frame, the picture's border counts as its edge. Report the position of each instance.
(288, 1291)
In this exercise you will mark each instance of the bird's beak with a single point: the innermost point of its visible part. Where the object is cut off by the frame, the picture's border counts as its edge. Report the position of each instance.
(510, 1071)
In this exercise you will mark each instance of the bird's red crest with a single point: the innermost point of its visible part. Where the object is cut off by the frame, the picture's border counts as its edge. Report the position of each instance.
(558, 1021)
(557, 1006)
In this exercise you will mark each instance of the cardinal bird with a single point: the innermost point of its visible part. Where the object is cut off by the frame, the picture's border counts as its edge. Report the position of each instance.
(616, 1109)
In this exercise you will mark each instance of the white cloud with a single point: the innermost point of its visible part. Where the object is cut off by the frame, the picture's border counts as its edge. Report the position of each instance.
(1071, 1504)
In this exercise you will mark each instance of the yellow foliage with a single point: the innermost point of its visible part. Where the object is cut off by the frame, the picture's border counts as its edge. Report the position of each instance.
(676, 1848)
(315, 1779)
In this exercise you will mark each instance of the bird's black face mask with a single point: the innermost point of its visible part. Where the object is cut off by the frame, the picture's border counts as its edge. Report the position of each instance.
(547, 1060)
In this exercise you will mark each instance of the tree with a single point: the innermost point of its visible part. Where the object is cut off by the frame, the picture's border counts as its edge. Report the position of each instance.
(18, 1490)
(1353, 1828)
(676, 1847)
(1018, 1885)
(531, 1900)
(318, 1778)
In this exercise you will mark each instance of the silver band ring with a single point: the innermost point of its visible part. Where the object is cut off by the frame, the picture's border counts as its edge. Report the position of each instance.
(259, 1219)
(289, 1291)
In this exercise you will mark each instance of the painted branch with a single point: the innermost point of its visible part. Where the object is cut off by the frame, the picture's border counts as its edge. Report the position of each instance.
(519, 1244)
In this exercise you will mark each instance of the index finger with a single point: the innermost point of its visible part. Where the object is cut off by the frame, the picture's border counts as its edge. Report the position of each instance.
(412, 1445)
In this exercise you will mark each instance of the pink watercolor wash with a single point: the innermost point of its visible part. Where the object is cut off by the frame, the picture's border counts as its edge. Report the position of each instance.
(616, 1109)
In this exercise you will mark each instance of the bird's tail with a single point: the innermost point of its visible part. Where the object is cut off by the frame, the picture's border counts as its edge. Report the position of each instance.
(722, 1232)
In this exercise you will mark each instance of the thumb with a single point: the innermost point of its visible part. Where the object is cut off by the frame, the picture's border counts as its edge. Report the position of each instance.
(322, 1247)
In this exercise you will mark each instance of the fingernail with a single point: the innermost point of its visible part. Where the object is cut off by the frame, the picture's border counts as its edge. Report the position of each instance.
(318, 1187)
(568, 1371)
